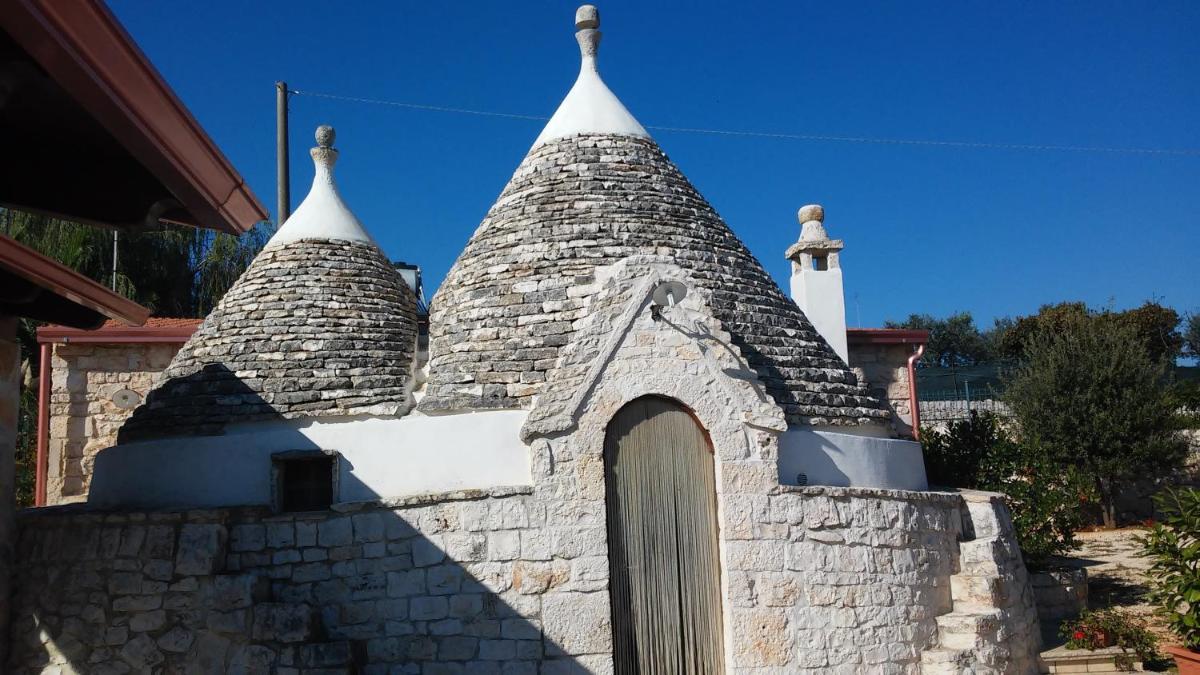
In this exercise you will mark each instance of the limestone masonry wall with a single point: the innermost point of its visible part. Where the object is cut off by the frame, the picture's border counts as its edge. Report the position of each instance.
(83, 417)
(828, 580)
(455, 582)
(883, 368)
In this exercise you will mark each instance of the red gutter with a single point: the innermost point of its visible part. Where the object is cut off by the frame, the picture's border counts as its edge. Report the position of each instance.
(896, 336)
(43, 427)
(177, 332)
(914, 406)
(884, 336)
(83, 47)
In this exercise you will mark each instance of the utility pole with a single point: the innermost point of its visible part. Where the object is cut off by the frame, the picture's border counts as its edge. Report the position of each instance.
(284, 198)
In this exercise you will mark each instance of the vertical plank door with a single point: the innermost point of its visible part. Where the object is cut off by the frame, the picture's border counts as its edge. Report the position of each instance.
(662, 535)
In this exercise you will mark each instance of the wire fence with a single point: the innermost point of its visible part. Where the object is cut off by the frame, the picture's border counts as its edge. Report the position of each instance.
(954, 410)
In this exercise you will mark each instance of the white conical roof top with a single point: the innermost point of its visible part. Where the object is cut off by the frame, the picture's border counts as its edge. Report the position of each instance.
(322, 214)
(590, 106)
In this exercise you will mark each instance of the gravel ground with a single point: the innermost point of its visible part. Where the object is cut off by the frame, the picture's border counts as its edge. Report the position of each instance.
(1116, 574)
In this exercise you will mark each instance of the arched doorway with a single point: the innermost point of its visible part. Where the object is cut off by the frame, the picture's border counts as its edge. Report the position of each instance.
(662, 541)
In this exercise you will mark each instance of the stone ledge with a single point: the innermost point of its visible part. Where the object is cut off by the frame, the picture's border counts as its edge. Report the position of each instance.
(435, 498)
(1064, 660)
(878, 493)
(81, 514)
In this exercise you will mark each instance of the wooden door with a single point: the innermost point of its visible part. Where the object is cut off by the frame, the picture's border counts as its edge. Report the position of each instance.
(662, 538)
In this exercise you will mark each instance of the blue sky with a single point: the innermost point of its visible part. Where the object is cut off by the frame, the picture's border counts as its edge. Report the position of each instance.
(927, 228)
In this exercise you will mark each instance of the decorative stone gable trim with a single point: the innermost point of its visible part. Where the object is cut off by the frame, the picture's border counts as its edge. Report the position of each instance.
(624, 313)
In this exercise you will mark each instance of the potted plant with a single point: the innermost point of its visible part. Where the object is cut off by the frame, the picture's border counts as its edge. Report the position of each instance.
(1173, 546)
(1104, 628)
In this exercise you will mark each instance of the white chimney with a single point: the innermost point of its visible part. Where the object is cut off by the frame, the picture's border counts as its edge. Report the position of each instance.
(817, 279)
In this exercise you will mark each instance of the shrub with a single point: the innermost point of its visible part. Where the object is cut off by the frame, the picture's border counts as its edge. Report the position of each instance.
(1100, 629)
(1173, 547)
(1044, 498)
(953, 457)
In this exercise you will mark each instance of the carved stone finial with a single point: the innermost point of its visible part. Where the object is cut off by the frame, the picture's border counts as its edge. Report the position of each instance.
(811, 212)
(812, 227)
(587, 31)
(325, 135)
(587, 16)
(324, 155)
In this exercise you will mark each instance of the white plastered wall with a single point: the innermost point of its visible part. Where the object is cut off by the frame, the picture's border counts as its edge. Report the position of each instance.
(380, 458)
(819, 295)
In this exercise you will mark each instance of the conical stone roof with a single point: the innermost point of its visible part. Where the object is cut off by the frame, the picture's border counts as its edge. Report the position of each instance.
(589, 194)
(319, 325)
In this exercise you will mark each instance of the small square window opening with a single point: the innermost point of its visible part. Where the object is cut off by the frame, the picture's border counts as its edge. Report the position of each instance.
(304, 481)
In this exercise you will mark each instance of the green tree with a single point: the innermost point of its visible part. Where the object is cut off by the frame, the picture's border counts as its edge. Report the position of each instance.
(953, 342)
(1089, 395)
(1154, 326)
(1191, 336)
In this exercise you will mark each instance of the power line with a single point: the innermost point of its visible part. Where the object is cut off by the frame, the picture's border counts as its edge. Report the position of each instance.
(1184, 152)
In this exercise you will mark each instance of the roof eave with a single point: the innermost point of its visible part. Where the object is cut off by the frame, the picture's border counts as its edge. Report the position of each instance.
(67, 283)
(883, 336)
(86, 50)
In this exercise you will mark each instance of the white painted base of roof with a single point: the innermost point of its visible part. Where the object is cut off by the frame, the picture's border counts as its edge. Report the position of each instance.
(380, 458)
(850, 460)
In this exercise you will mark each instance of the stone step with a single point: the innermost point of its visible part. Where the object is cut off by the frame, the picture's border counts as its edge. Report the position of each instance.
(944, 661)
(983, 590)
(968, 627)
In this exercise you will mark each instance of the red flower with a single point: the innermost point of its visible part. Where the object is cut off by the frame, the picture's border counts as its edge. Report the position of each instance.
(1079, 635)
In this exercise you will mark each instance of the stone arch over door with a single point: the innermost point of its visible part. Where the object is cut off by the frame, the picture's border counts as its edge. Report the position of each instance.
(664, 558)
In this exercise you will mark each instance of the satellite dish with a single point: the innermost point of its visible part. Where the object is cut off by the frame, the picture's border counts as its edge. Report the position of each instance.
(126, 399)
(669, 293)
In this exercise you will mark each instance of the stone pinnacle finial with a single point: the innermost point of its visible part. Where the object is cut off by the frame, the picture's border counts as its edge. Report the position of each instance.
(811, 212)
(325, 135)
(587, 30)
(812, 226)
(324, 154)
(587, 16)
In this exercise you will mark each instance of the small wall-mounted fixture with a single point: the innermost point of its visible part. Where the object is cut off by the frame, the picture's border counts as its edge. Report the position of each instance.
(666, 294)
(126, 399)
(304, 480)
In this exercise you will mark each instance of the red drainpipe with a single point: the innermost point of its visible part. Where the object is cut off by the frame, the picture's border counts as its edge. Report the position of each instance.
(43, 426)
(913, 406)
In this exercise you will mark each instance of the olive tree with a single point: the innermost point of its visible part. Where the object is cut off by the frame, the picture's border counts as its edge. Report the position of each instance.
(1090, 395)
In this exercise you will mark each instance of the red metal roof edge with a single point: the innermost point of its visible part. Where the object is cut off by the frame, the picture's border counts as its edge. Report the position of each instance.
(177, 331)
(87, 51)
(66, 282)
(883, 336)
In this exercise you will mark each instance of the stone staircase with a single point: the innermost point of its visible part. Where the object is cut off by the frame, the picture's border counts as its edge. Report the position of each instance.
(992, 627)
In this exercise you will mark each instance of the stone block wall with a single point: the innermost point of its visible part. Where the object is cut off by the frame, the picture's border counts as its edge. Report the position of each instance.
(819, 580)
(83, 417)
(884, 370)
(838, 580)
(461, 583)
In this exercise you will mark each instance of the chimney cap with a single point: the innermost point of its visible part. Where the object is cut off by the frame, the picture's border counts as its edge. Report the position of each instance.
(811, 212)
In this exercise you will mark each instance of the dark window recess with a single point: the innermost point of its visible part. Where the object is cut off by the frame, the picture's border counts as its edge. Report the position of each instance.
(305, 482)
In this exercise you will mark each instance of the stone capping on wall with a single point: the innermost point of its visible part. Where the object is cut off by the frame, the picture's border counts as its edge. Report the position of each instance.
(84, 514)
(941, 497)
(435, 498)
